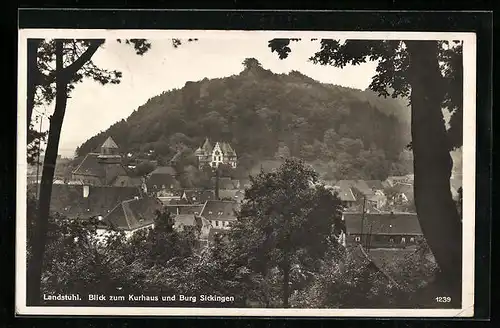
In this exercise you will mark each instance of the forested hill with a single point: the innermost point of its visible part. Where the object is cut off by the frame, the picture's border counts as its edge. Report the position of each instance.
(263, 115)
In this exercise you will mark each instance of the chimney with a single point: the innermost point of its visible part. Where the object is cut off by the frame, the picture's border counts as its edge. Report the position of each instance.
(217, 182)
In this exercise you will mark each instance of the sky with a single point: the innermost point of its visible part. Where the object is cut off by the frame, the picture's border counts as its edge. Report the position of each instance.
(92, 107)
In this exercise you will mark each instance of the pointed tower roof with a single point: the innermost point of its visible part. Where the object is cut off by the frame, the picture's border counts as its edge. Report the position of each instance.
(207, 146)
(227, 149)
(109, 143)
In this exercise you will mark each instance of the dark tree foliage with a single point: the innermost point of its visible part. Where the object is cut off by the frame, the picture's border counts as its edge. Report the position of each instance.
(286, 221)
(429, 74)
(55, 67)
(264, 117)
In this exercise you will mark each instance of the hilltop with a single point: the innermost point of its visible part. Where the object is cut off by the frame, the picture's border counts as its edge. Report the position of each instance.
(350, 133)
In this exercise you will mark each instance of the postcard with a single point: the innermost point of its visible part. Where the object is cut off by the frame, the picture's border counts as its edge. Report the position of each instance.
(245, 173)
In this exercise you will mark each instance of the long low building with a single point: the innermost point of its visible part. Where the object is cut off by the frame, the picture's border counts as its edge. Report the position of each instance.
(382, 230)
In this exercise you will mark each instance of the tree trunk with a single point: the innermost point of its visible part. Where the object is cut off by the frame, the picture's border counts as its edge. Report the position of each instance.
(32, 77)
(40, 234)
(435, 207)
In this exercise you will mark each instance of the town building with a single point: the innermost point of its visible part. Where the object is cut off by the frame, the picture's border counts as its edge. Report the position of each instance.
(104, 168)
(232, 194)
(382, 230)
(130, 216)
(214, 155)
(79, 201)
(402, 193)
(185, 209)
(162, 181)
(195, 223)
(220, 213)
(345, 195)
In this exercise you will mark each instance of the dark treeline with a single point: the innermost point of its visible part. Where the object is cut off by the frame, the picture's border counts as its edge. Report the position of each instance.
(350, 133)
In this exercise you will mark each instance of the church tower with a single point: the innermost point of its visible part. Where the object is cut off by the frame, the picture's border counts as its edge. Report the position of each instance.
(109, 153)
(111, 160)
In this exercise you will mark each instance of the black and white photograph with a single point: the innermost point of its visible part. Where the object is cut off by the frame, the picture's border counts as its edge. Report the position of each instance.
(245, 173)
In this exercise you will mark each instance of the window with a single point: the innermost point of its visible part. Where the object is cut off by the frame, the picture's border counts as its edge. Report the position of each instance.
(391, 240)
(403, 240)
(217, 153)
(412, 239)
(218, 158)
(357, 238)
(216, 223)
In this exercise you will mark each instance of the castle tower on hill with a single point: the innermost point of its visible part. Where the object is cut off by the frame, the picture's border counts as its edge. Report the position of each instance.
(214, 155)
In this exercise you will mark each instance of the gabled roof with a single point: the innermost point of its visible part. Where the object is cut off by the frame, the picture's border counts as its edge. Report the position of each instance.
(207, 146)
(133, 214)
(109, 143)
(345, 194)
(182, 220)
(383, 223)
(69, 201)
(227, 149)
(220, 210)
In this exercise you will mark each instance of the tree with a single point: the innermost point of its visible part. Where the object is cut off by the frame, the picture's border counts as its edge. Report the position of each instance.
(144, 168)
(72, 60)
(250, 63)
(412, 69)
(286, 220)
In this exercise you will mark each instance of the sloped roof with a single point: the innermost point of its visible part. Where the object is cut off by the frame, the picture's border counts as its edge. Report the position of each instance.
(90, 166)
(404, 188)
(134, 213)
(109, 143)
(344, 184)
(181, 220)
(127, 181)
(162, 175)
(190, 220)
(345, 194)
(207, 146)
(383, 223)
(164, 170)
(185, 209)
(227, 149)
(220, 210)
(69, 201)
(363, 187)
